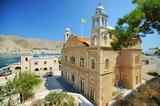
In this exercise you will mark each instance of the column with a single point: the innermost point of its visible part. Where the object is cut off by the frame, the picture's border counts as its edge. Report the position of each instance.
(93, 24)
(101, 24)
(103, 20)
(106, 24)
(98, 22)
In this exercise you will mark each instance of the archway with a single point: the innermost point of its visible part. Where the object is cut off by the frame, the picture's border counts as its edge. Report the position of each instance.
(18, 68)
(45, 69)
(37, 69)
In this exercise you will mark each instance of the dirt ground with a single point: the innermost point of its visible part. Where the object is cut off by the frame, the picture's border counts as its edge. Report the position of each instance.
(146, 95)
(153, 66)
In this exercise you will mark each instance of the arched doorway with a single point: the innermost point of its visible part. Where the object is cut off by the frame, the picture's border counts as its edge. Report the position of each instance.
(45, 69)
(37, 69)
(82, 85)
(18, 68)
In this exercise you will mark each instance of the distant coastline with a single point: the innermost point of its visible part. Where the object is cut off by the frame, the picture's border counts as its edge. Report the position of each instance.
(8, 55)
(7, 59)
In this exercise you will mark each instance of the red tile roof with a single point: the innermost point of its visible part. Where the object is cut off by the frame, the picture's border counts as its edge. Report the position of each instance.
(82, 39)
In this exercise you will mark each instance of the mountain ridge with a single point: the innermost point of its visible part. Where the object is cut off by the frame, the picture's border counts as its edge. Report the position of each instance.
(14, 41)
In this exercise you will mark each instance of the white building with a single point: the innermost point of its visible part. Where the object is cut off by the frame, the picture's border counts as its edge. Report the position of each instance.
(37, 65)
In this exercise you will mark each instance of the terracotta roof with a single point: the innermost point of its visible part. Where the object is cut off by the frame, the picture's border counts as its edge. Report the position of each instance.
(84, 40)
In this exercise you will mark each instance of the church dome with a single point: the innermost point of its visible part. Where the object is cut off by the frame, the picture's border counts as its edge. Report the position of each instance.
(100, 9)
(67, 30)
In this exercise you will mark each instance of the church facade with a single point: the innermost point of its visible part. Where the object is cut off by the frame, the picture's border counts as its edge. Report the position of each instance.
(92, 67)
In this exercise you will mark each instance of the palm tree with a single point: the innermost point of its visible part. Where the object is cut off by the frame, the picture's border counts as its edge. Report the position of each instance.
(59, 99)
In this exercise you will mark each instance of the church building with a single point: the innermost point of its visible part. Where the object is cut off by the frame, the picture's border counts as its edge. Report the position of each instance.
(92, 67)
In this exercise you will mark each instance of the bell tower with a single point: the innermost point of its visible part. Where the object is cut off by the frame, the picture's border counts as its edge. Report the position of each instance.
(100, 35)
(67, 34)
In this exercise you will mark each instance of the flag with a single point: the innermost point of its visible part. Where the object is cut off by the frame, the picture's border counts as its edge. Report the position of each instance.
(83, 20)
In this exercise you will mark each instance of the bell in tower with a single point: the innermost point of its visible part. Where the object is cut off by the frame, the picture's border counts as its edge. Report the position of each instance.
(100, 18)
(67, 34)
(100, 35)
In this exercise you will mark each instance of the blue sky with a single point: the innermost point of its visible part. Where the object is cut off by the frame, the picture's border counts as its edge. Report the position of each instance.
(47, 19)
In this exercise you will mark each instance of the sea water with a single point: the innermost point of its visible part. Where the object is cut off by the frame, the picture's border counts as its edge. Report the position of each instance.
(6, 59)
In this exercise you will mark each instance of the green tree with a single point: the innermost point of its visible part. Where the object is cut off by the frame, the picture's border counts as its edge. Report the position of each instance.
(144, 19)
(157, 51)
(59, 99)
(6, 93)
(25, 84)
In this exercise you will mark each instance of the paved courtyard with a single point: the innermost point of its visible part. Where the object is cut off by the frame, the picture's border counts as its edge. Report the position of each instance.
(53, 83)
(154, 66)
(50, 83)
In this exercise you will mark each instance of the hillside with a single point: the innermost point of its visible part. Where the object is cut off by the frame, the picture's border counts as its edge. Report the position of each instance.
(27, 43)
(147, 95)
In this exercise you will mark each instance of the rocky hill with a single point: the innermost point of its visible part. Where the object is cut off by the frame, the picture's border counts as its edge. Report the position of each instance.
(28, 43)
(147, 94)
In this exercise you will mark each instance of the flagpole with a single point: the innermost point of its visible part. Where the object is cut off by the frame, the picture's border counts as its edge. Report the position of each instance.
(81, 29)
(83, 20)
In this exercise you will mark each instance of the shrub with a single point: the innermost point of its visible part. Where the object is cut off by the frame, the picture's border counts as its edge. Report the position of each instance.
(25, 83)
(153, 73)
(59, 99)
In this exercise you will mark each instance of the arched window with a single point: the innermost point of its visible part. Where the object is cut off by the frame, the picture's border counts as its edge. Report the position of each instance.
(18, 68)
(92, 94)
(26, 59)
(82, 85)
(45, 69)
(126, 77)
(50, 68)
(94, 40)
(81, 62)
(105, 39)
(107, 64)
(72, 60)
(45, 62)
(55, 61)
(93, 63)
(137, 60)
(95, 23)
(136, 79)
(35, 62)
(73, 79)
(37, 69)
